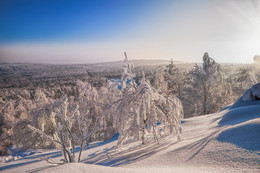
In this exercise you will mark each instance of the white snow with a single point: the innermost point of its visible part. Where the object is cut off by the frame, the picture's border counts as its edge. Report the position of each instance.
(256, 90)
(228, 141)
(248, 98)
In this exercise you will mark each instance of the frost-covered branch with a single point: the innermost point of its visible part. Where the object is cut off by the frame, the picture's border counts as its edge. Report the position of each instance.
(141, 108)
(43, 134)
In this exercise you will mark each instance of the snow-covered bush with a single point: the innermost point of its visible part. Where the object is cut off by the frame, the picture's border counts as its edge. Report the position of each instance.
(141, 107)
(65, 123)
(70, 128)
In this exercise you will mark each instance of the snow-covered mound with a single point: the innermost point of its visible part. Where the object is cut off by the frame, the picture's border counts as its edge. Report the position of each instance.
(240, 114)
(247, 107)
(250, 97)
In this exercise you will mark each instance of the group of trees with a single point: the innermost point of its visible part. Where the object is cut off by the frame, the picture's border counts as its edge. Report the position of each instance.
(35, 106)
(96, 110)
(62, 123)
(207, 87)
(141, 107)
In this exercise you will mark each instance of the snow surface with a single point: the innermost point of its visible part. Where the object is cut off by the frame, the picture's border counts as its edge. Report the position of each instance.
(228, 141)
(250, 94)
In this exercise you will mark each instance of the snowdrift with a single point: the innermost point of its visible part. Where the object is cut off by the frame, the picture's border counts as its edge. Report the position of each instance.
(243, 118)
(245, 135)
(240, 114)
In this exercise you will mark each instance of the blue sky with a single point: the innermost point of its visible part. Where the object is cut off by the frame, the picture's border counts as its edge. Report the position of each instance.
(62, 20)
(67, 31)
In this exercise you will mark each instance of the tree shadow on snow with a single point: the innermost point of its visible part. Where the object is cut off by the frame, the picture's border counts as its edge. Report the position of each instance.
(52, 155)
(41, 168)
(112, 157)
(190, 151)
(18, 164)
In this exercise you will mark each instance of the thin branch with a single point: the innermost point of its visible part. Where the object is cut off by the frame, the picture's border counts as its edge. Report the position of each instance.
(43, 134)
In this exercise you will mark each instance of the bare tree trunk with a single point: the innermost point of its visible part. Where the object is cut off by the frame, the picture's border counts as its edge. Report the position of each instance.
(179, 90)
(120, 140)
(143, 136)
(64, 154)
(143, 132)
(65, 151)
(204, 100)
(154, 135)
(81, 148)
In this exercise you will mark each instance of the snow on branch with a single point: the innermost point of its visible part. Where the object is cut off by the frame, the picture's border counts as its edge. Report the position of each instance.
(141, 107)
(43, 134)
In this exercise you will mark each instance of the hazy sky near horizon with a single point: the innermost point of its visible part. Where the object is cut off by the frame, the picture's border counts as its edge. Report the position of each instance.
(66, 31)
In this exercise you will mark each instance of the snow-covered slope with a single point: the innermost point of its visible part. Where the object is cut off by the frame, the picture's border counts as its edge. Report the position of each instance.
(228, 141)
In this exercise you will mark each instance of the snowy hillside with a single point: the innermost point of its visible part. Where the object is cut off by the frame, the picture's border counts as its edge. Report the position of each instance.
(227, 141)
(130, 86)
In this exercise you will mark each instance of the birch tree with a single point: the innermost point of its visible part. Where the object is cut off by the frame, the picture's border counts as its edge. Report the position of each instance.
(71, 127)
(69, 121)
(141, 107)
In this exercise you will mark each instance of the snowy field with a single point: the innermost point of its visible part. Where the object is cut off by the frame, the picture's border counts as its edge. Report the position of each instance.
(227, 141)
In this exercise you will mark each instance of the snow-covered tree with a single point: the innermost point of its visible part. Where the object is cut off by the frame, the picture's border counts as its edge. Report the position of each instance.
(70, 127)
(208, 91)
(242, 79)
(159, 81)
(141, 107)
(176, 78)
(66, 122)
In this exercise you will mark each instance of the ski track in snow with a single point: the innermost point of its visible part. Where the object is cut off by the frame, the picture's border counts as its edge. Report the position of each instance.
(227, 141)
